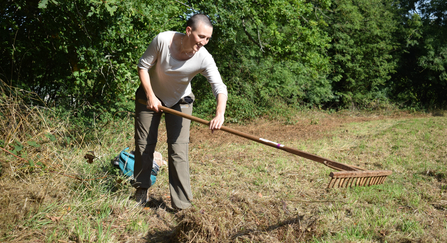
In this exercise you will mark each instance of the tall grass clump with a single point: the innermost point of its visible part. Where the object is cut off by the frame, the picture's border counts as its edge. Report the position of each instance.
(50, 190)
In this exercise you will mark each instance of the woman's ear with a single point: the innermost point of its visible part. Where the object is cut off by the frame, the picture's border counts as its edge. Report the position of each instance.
(188, 30)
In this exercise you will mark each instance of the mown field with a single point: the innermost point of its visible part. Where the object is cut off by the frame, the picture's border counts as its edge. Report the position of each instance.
(243, 191)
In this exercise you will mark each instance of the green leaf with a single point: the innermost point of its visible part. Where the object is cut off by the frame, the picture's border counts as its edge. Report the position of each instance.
(51, 137)
(17, 148)
(43, 4)
(33, 144)
(111, 10)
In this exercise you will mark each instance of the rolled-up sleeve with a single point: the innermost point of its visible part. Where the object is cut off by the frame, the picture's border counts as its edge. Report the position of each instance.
(211, 73)
(150, 55)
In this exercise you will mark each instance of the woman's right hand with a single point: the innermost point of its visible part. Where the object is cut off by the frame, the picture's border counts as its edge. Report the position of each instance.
(153, 103)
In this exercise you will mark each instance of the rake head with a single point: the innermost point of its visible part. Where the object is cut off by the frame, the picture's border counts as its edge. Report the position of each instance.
(357, 178)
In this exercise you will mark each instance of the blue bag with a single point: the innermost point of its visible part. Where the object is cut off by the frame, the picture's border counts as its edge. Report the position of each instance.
(125, 161)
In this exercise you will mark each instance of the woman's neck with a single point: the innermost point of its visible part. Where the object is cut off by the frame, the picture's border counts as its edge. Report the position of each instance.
(188, 51)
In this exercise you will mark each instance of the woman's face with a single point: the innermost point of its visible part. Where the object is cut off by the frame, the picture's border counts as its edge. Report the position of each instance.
(199, 36)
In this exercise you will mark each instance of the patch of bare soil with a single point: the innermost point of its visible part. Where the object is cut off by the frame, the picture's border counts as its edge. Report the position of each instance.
(277, 131)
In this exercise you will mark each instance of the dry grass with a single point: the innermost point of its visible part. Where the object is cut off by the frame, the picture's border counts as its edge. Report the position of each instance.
(244, 191)
(25, 134)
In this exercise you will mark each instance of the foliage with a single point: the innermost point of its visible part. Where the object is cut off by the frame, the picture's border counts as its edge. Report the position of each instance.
(421, 79)
(82, 55)
(77, 53)
(269, 52)
(362, 42)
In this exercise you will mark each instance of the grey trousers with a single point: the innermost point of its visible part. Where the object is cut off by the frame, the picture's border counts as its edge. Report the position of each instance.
(146, 134)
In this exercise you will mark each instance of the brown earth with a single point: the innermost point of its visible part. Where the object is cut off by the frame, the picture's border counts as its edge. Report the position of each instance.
(304, 128)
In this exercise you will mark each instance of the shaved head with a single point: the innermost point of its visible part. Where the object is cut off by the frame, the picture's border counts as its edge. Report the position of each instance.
(194, 21)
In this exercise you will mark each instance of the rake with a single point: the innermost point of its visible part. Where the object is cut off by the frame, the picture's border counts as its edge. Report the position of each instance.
(347, 175)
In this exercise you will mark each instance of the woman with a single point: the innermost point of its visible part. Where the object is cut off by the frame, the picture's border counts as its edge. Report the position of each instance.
(165, 71)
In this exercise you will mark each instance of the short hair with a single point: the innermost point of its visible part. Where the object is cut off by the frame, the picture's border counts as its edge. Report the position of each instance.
(194, 21)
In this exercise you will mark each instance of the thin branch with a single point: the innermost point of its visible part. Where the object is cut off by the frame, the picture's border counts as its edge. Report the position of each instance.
(186, 5)
(82, 21)
(251, 37)
(259, 39)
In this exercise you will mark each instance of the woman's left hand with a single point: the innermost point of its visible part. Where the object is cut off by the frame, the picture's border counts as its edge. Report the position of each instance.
(217, 122)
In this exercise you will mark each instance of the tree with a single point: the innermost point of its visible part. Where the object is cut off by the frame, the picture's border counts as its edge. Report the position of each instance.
(421, 79)
(362, 43)
(83, 52)
(269, 52)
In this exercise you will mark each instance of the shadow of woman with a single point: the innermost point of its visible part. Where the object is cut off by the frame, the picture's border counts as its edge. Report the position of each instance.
(156, 203)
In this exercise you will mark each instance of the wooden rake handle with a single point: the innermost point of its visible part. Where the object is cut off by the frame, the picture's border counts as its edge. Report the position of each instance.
(330, 163)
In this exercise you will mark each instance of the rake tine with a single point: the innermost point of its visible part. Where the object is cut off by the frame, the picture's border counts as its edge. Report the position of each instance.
(337, 184)
(337, 181)
(354, 182)
(350, 180)
(347, 182)
(364, 179)
(330, 183)
(379, 178)
(341, 182)
(377, 181)
(359, 182)
(367, 181)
